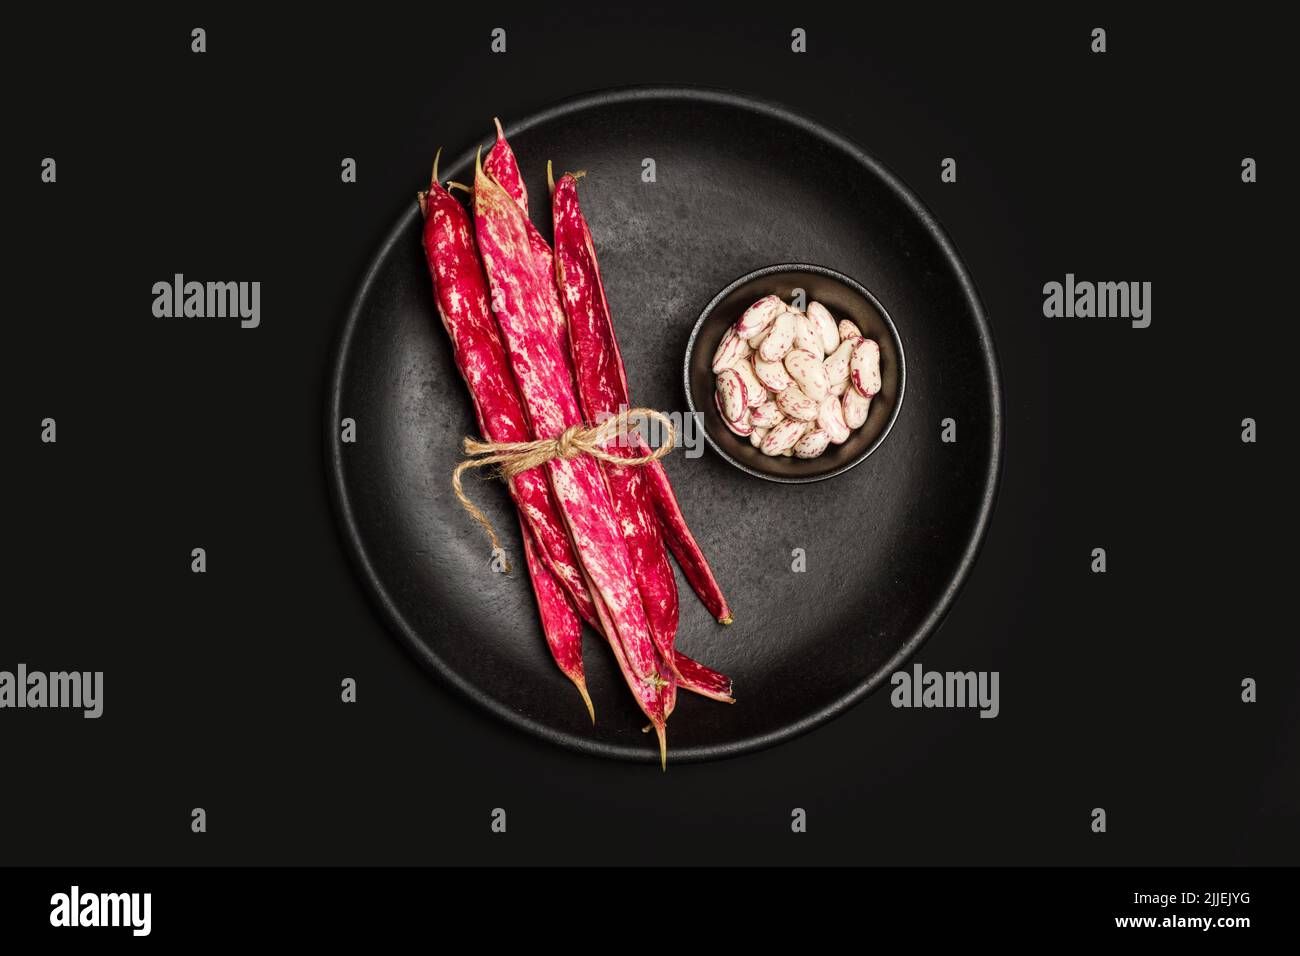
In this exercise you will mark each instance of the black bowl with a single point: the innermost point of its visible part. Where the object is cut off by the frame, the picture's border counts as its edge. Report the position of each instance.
(845, 299)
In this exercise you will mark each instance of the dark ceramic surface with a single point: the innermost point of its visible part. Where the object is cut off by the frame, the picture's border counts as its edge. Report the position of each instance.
(740, 184)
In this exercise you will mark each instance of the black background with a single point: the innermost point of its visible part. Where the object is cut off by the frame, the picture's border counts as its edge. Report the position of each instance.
(222, 690)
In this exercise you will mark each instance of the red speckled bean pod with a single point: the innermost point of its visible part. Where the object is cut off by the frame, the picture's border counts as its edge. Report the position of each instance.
(500, 163)
(602, 390)
(700, 679)
(577, 259)
(629, 487)
(560, 622)
(520, 299)
(460, 292)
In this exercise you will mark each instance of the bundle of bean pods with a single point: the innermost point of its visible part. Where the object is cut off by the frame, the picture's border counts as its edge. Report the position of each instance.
(533, 338)
(794, 382)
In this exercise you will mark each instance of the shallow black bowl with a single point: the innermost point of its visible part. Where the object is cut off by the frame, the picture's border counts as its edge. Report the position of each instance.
(845, 299)
(886, 546)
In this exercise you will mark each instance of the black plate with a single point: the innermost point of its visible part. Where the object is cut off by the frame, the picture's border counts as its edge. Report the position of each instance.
(739, 184)
(845, 298)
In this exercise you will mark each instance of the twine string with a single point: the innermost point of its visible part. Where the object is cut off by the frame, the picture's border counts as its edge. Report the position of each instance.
(510, 459)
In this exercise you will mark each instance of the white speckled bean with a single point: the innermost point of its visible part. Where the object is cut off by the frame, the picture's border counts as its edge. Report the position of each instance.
(856, 408)
(808, 373)
(742, 427)
(771, 374)
(830, 419)
(837, 363)
(864, 368)
(781, 437)
(795, 404)
(825, 325)
(732, 398)
(807, 337)
(779, 338)
(731, 350)
(758, 318)
(755, 393)
(812, 444)
(766, 415)
(795, 383)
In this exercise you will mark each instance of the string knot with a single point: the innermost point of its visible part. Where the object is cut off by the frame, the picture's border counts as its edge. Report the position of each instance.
(568, 444)
(509, 459)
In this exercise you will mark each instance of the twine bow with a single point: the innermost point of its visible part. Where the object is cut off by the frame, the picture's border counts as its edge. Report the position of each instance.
(511, 458)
